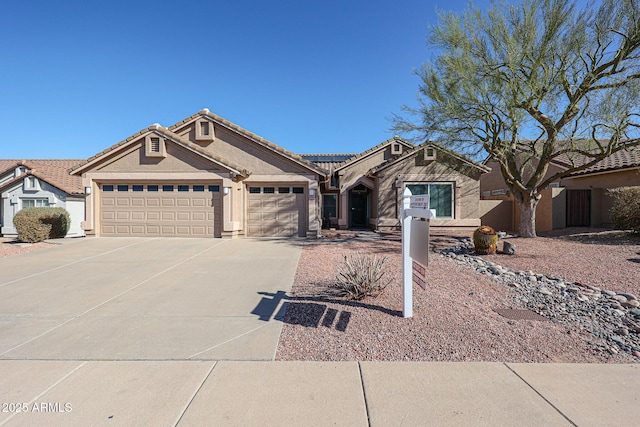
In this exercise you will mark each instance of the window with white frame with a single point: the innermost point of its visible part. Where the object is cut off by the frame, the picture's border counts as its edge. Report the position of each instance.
(35, 203)
(440, 196)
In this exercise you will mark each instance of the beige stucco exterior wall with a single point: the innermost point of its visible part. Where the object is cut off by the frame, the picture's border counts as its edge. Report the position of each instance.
(354, 174)
(131, 164)
(494, 180)
(250, 155)
(601, 202)
(497, 214)
(466, 212)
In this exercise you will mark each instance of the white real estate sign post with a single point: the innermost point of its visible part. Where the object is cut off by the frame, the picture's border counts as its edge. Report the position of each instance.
(415, 246)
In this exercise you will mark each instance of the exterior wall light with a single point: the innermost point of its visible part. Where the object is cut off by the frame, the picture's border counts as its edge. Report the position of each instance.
(87, 190)
(226, 190)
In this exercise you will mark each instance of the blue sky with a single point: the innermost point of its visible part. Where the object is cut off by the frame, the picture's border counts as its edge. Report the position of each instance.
(324, 76)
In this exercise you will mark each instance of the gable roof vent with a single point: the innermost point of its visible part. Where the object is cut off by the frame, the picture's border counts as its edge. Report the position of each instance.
(429, 153)
(396, 148)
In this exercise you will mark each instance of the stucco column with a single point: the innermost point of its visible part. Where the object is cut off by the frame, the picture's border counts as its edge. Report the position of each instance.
(231, 194)
(88, 225)
(343, 215)
(313, 205)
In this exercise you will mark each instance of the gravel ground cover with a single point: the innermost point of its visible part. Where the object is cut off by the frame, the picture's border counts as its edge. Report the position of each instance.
(454, 318)
(10, 247)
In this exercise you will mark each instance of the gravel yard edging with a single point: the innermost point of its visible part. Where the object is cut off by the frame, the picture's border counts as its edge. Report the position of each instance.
(455, 319)
(613, 317)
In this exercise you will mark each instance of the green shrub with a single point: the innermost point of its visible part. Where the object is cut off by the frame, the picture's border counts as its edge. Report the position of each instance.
(625, 212)
(38, 224)
(360, 276)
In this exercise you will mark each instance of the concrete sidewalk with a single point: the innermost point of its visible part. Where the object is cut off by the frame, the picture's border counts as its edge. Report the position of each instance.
(244, 393)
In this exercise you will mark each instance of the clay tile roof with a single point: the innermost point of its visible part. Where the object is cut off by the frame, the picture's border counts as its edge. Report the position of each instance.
(417, 148)
(260, 140)
(619, 160)
(371, 150)
(174, 137)
(327, 161)
(112, 148)
(52, 171)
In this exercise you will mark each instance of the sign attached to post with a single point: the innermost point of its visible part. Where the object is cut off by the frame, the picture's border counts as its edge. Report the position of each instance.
(415, 246)
(419, 241)
(419, 275)
(419, 202)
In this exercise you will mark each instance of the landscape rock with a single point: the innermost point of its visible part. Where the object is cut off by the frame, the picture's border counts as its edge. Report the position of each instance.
(632, 303)
(613, 319)
(508, 248)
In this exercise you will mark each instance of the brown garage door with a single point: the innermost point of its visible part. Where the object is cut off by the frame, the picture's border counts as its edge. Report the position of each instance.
(171, 210)
(276, 211)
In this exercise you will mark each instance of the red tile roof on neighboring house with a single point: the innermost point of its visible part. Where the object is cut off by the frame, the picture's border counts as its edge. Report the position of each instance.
(54, 172)
(622, 159)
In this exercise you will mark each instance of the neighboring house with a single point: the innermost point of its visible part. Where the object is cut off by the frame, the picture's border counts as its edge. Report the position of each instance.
(365, 191)
(38, 183)
(202, 177)
(579, 199)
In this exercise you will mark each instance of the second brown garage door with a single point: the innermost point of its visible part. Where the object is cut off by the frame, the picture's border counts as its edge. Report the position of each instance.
(178, 210)
(276, 211)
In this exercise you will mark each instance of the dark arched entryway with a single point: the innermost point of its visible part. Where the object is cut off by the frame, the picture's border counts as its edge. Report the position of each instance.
(359, 207)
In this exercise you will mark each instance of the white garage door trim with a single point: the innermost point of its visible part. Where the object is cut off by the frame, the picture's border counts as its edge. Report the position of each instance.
(160, 209)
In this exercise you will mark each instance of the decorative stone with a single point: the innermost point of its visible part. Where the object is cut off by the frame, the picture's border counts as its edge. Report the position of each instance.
(622, 331)
(600, 313)
(508, 248)
(495, 269)
(617, 339)
(632, 303)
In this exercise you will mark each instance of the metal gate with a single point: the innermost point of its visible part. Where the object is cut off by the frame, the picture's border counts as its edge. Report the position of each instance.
(578, 208)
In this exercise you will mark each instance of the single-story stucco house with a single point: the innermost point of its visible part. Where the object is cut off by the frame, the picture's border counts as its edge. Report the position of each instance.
(579, 199)
(38, 183)
(365, 190)
(207, 177)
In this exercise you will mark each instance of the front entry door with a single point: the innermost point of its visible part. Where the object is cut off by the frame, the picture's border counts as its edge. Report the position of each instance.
(358, 210)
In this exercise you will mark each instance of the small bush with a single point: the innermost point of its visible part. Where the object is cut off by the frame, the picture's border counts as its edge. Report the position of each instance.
(360, 276)
(625, 212)
(38, 224)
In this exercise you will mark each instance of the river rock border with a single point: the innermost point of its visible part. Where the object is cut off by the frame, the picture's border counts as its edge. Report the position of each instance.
(613, 319)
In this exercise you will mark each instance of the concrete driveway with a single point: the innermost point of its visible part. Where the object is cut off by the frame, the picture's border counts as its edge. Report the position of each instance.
(146, 299)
